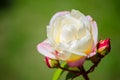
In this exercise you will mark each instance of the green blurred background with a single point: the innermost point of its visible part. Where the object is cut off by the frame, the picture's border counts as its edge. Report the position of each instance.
(23, 26)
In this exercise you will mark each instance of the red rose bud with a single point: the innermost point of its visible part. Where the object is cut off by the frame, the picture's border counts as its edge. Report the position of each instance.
(104, 47)
(52, 63)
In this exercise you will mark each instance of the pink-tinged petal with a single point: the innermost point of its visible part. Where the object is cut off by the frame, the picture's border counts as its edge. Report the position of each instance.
(89, 18)
(94, 29)
(77, 63)
(45, 49)
(92, 53)
(57, 15)
(95, 32)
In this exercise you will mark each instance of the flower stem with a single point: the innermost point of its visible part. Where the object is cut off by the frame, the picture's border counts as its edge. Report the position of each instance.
(84, 73)
(95, 65)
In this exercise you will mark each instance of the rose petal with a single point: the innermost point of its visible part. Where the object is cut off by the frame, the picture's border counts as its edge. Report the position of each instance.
(45, 49)
(77, 14)
(77, 53)
(68, 33)
(53, 30)
(85, 41)
(92, 53)
(57, 15)
(94, 29)
(95, 32)
(77, 63)
(89, 18)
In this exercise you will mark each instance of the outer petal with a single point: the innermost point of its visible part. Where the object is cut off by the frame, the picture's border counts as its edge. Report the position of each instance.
(46, 49)
(77, 63)
(92, 53)
(89, 18)
(95, 32)
(53, 28)
(94, 29)
(57, 15)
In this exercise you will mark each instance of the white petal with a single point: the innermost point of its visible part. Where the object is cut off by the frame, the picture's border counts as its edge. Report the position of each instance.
(50, 34)
(45, 49)
(53, 28)
(63, 46)
(64, 55)
(89, 18)
(95, 32)
(81, 32)
(58, 15)
(77, 14)
(68, 33)
(77, 53)
(82, 44)
(94, 29)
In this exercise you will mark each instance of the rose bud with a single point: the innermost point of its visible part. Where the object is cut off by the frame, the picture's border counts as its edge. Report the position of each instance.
(104, 47)
(51, 63)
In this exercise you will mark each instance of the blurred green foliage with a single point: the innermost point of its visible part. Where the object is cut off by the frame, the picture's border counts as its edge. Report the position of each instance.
(23, 26)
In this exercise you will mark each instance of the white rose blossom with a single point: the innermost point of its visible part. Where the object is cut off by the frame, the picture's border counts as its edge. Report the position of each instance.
(71, 36)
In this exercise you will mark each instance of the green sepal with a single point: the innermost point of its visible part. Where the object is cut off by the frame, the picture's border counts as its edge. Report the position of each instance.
(74, 68)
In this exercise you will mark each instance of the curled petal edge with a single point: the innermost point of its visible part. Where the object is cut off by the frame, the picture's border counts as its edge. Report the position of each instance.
(94, 29)
(45, 49)
(58, 14)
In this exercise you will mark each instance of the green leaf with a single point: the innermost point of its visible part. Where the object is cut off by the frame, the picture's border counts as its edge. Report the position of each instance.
(58, 72)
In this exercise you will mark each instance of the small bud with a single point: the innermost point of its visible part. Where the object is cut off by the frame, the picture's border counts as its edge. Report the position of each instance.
(104, 47)
(52, 63)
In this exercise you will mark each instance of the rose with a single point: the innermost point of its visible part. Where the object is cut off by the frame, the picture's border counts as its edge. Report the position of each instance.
(72, 37)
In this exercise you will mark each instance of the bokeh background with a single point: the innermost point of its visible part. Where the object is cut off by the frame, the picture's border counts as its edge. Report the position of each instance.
(23, 25)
